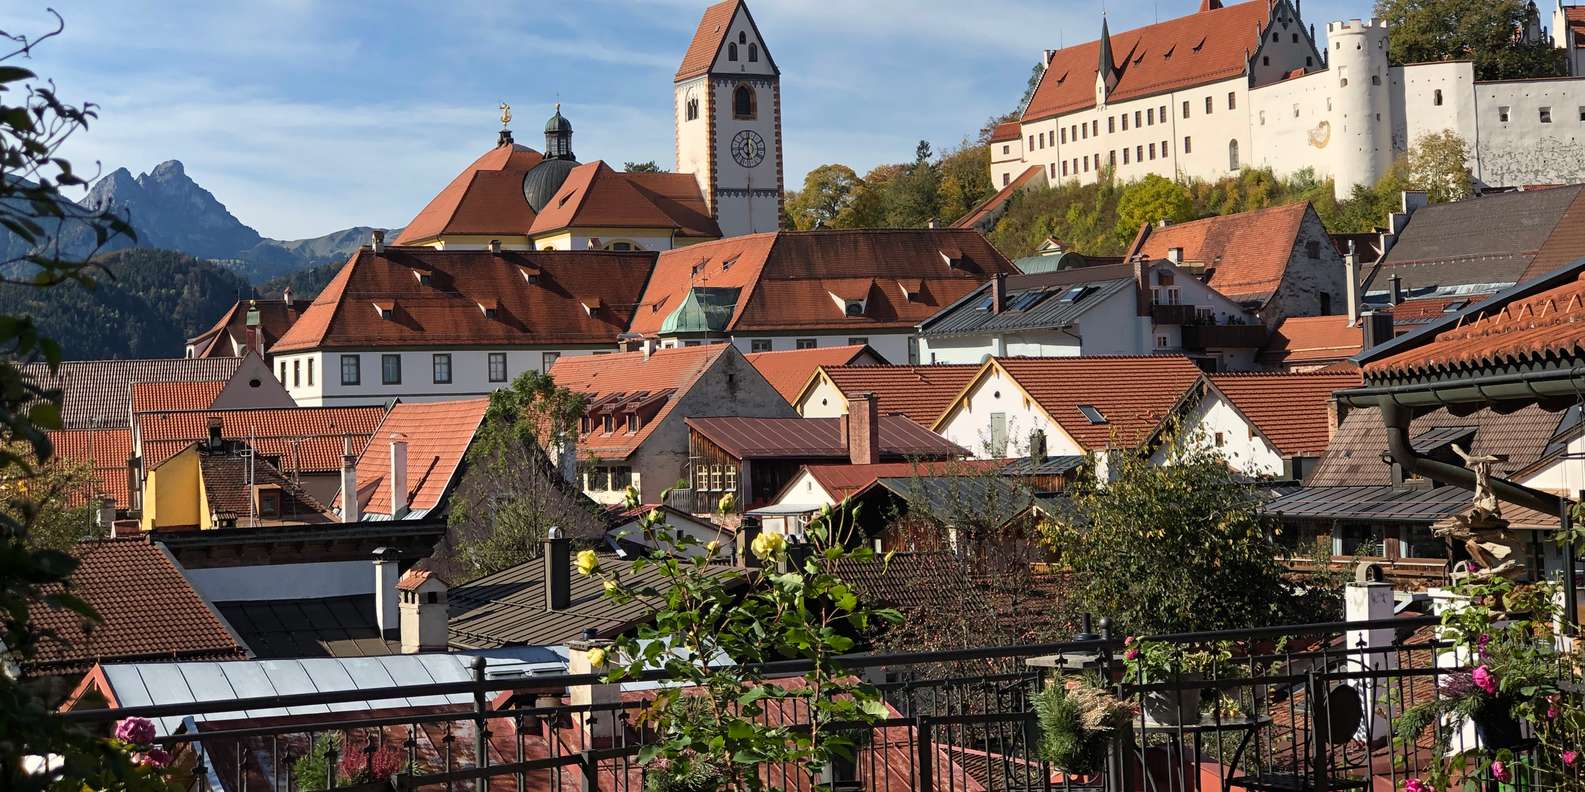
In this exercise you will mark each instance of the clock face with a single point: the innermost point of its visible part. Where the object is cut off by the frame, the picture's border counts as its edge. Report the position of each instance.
(748, 148)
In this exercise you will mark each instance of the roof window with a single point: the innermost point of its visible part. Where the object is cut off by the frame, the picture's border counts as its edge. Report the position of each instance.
(1092, 414)
(1078, 293)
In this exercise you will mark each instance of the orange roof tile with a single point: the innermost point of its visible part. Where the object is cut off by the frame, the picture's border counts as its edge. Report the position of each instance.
(1249, 250)
(1543, 325)
(1290, 410)
(840, 481)
(786, 278)
(437, 433)
(989, 206)
(707, 39)
(595, 195)
(448, 312)
(922, 393)
(1005, 131)
(1133, 394)
(790, 369)
(631, 373)
(305, 438)
(275, 318)
(104, 451)
(147, 611)
(157, 396)
(486, 198)
(1426, 309)
(1300, 340)
(97, 393)
(1179, 53)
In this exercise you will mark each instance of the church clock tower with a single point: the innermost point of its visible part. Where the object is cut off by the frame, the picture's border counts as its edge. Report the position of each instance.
(728, 120)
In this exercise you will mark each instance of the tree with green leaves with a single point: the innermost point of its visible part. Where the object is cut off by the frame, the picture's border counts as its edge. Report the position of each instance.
(827, 198)
(512, 490)
(717, 727)
(1438, 164)
(57, 493)
(34, 123)
(1175, 547)
(1151, 200)
(641, 167)
(1484, 31)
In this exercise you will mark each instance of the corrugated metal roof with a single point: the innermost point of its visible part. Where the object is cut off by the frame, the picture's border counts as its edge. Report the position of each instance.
(808, 438)
(1491, 239)
(1392, 504)
(1047, 300)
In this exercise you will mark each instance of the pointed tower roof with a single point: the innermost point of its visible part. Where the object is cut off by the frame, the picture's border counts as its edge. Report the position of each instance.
(1107, 65)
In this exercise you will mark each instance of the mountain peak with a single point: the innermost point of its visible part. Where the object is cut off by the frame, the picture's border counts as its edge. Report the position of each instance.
(167, 170)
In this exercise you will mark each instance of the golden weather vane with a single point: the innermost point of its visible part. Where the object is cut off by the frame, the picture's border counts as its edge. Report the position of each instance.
(506, 114)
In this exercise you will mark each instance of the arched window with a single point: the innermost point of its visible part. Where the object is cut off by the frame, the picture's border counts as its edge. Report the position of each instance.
(1436, 97)
(753, 53)
(731, 51)
(743, 102)
(693, 108)
(1232, 155)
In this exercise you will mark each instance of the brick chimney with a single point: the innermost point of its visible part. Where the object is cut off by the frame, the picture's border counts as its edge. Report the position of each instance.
(999, 293)
(558, 571)
(863, 437)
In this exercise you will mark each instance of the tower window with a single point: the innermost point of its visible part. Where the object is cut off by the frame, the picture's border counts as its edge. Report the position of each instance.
(1111, 124)
(1232, 100)
(1265, 60)
(742, 37)
(1502, 114)
(1375, 79)
(693, 109)
(1187, 145)
(743, 102)
(1152, 151)
(1546, 115)
(1064, 133)
(1232, 155)
(1150, 116)
(1185, 108)
(753, 53)
(1436, 97)
(1208, 106)
(731, 51)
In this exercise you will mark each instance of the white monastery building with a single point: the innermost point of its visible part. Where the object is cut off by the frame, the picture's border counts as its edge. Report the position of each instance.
(1249, 85)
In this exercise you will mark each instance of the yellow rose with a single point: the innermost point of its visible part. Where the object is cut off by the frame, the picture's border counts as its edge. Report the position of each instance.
(596, 657)
(768, 544)
(587, 563)
(726, 504)
(610, 587)
(712, 546)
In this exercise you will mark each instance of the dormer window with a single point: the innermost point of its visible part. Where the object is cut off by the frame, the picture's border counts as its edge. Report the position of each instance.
(489, 308)
(854, 308)
(632, 422)
(385, 308)
(424, 278)
(591, 304)
(269, 502)
(530, 274)
(608, 423)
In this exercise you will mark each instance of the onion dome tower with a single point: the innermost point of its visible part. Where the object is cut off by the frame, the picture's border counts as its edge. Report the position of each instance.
(542, 183)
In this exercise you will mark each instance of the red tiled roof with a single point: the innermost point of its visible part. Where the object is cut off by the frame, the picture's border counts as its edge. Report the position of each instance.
(840, 481)
(486, 198)
(1179, 53)
(1575, 16)
(147, 611)
(707, 39)
(595, 195)
(105, 451)
(229, 483)
(318, 432)
(1134, 394)
(786, 277)
(98, 392)
(763, 438)
(922, 393)
(1005, 131)
(413, 578)
(158, 396)
(1542, 326)
(437, 433)
(1249, 250)
(1426, 309)
(989, 206)
(790, 369)
(1300, 340)
(275, 318)
(1567, 240)
(448, 312)
(630, 373)
(1290, 410)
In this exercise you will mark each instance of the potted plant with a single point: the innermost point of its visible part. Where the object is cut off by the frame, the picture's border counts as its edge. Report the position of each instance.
(1180, 665)
(1078, 720)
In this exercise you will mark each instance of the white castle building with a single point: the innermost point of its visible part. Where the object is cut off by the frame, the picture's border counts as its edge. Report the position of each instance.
(1249, 85)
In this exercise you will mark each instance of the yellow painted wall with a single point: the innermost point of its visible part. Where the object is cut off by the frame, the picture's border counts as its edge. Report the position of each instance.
(478, 242)
(173, 493)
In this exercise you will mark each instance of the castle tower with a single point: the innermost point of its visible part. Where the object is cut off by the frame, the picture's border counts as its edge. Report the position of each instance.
(727, 97)
(1361, 114)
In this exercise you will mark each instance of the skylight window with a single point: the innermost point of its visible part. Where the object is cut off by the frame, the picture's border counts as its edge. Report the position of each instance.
(1078, 293)
(1092, 414)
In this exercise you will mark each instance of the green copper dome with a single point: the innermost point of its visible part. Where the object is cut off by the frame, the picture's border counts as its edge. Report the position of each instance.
(705, 310)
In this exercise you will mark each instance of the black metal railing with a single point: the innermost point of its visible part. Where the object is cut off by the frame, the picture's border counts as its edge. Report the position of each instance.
(957, 720)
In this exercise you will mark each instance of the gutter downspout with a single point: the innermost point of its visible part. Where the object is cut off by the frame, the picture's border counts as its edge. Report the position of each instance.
(1396, 418)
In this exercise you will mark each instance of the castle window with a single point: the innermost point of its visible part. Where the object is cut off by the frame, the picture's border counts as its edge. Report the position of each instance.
(1296, 38)
(1263, 118)
(1125, 122)
(1308, 61)
(1164, 148)
(1163, 112)
(1265, 60)
(1111, 124)
(1125, 156)
(1185, 108)
(742, 37)
(1375, 79)
(1150, 116)
(297, 373)
(1137, 117)
(1111, 159)
(1064, 135)
(1546, 115)
(1582, 112)
(1006, 178)
(1232, 155)
(1152, 151)
(1086, 163)
(1208, 106)
(1502, 114)
(1274, 36)
(753, 53)
(1187, 145)
(1006, 149)
(693, 109)
(1053, 171)
(1064, 167)
(1095, 127)
(731, 51)
(1084, 131)
(1232, 100)
(1031, 142)
(743, 102)
(1436, 97)
(1139, 153)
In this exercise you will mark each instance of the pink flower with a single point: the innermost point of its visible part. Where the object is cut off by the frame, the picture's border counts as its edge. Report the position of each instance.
(135, 731)
(1131, 654)
(1500, 772)
(1570, 757)
(1129, 641)
(1552, 712)
(1485, 680)
(153, 757)
(1416, 785)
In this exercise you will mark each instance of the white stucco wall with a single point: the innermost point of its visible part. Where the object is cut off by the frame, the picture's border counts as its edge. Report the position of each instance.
(969, 422)
(1523, 149)
(1243, 448)
(823, 400)
(469, 374)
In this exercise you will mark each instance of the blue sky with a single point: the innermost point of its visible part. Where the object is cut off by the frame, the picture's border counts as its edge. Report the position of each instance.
(304, 116)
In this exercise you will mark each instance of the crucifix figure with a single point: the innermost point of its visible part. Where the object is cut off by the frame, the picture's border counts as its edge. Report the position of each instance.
(1485, 501)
